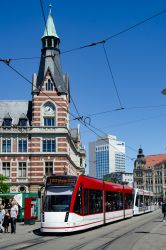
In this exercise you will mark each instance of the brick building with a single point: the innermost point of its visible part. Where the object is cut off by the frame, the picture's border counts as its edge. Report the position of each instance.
(150, 174)
(35, 137)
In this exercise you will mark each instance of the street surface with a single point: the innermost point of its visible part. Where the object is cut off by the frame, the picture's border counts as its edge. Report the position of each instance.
(145, 232)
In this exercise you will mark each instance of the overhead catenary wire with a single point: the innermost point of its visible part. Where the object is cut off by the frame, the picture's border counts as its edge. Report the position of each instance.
(79, 116)
(126, 108)
(96, 43)
(118, 33)
(27, 80)
(83, 122)
(105, 134)
(108, 63)
(91, 128)
(41, 4)
(112, 76)
(102, 40)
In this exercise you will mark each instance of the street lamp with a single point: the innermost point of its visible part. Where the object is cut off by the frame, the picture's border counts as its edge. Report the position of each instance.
(163, 91)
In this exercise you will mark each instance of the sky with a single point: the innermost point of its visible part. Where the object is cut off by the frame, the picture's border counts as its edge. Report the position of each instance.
(137, 59)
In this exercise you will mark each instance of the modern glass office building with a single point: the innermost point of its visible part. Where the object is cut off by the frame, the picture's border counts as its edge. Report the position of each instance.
(106, 155)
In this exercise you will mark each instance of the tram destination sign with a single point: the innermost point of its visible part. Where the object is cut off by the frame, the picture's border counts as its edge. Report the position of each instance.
(61, 180)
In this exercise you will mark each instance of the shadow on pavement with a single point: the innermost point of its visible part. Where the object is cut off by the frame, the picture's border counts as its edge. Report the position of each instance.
(37, 232)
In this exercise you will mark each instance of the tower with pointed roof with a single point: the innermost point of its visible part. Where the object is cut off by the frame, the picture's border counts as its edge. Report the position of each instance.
(138, 169)
(50, 62)
(61, 148)
(36, 138)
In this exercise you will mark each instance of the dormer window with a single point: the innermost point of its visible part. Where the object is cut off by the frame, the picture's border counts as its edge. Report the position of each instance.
(49, 85)
(7, 122)
(23, 122)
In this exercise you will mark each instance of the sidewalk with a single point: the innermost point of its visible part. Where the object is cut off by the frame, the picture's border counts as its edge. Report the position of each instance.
(23, 232)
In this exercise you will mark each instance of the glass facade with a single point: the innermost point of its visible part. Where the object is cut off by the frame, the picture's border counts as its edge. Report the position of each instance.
(102, 161)
(106, 155)
(120, 162)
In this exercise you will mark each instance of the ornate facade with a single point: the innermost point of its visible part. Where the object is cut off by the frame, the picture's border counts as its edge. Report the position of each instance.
(150, 174)
(35, 137)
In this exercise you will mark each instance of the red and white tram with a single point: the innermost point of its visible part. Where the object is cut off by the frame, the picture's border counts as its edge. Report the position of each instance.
(73, 203)
(143, 201)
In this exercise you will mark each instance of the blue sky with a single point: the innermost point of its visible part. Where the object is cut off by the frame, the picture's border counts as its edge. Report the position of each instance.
(137, 60)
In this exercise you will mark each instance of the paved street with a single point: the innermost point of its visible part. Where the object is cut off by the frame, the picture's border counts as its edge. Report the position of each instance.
(146, 232)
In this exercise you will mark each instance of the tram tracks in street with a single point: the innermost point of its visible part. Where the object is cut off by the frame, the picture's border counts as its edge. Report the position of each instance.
(28, 243)
(104, 246)
(113, 235)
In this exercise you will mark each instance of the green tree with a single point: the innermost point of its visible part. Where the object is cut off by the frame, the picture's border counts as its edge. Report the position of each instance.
(109, 179)
(4, 187)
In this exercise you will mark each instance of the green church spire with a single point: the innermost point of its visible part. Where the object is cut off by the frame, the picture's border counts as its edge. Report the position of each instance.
(50, 27)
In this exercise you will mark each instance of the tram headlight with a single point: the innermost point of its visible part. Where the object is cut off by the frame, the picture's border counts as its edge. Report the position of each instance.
(66, 216)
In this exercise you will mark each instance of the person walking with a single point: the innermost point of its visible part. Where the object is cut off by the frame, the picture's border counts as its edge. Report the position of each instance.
(1, 220)
(6, 222)
(164, 210)
(13, 216)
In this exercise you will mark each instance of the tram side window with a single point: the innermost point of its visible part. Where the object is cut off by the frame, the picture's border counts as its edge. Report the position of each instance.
(114, 201)
(139, 201)
(128, 201)
(96, 203)
(78, 202)
(85, 201)
(150, 200)
(147, 200)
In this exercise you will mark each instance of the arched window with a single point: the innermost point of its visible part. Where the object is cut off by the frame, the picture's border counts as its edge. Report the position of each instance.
(49, 115)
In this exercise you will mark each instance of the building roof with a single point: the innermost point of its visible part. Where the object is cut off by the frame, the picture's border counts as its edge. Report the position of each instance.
(50, 62)
(15, 110)
(50, 27)
(152, 160)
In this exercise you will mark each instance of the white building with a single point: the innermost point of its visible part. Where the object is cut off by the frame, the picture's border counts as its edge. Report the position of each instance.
(106, 155)
(121, 177)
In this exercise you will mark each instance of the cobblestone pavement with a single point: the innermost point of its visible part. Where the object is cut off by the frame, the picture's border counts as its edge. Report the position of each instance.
(23, 232)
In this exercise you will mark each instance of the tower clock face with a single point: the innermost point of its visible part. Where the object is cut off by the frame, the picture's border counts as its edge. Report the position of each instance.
(48, 109)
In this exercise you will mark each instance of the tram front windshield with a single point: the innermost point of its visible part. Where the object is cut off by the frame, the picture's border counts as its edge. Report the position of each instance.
(58, 199)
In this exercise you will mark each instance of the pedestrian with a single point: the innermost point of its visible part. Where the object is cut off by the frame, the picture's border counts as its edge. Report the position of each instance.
(164, 210)
(6, 222)
(13, 216)
(1, 220)
(3, 210)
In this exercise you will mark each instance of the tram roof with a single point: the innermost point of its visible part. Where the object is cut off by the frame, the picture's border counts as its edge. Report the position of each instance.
(94, 183)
